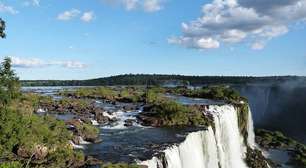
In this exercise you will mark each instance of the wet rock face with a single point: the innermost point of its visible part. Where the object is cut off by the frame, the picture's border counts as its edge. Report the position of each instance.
(81, 129)
(147, 120)
(75, 106)
(129, 107)
(276, 140)
(255, 159)
(99, 116)
(129, 122)
(76, 140)
(91, 161)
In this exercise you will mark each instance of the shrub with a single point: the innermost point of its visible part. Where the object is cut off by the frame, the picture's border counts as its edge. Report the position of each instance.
(172, 113)
(11, 165)
(119, 165)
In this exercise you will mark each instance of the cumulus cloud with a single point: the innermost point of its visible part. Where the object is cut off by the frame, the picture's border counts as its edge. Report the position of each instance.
(8, 9)
(68, 15)
(34, 63)
(235, 21)
(75, 13)
(87, 16)
(145, 5)
(204, 43)
(27, 63)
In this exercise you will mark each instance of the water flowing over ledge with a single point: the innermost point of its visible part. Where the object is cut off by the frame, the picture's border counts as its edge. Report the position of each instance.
(219, 146)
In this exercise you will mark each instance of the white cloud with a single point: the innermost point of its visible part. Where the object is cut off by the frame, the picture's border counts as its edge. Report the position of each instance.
(35, 62)
(201, 43)
(152, 5)
(145, 5)
(27, 63)
(8, 9)
(87, 16)
(72, 64)
(258, 46)
(32, 3)
(68, 15)
(130, 4)
(235, 21)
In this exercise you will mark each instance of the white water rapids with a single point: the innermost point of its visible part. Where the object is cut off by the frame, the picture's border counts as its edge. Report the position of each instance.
(222, 147)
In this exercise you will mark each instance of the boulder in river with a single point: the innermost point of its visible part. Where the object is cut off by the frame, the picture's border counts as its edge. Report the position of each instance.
(100, 118)
(129, 122)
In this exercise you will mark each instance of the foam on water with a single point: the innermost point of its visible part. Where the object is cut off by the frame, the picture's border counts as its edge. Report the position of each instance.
(121, 117)
(75, 146)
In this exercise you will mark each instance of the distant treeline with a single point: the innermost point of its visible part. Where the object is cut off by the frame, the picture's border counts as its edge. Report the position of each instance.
(144, 79)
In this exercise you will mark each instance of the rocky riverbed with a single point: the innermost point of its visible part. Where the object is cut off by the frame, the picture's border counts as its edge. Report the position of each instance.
(121, 131)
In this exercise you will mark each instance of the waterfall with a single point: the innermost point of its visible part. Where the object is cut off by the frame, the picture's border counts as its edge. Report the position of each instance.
(152, 163)
(229, 140)
(199, 150)
(222, 147)
(251, 134)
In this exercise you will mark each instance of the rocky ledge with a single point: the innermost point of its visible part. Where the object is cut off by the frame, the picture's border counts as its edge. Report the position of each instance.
(276, 140)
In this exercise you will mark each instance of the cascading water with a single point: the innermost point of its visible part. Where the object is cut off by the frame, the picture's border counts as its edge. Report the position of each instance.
(199, 150)
(229, 141)
(251, 134)
(222, 147)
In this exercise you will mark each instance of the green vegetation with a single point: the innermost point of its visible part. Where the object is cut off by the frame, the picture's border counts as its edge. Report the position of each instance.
(2, 28)
(119, 165)
(277, 140)
(9, 88)
(131, 94)
(170, 113)
(242, 114)
(98, 92)
(11, 165)
(221, 93)
(255, 159)
(87, 131)
(124, 94)
(154, 95)
(27, 139)
(211, 92)
(143, 79)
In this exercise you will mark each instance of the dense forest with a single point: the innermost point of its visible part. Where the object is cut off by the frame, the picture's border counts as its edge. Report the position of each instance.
(145, 79)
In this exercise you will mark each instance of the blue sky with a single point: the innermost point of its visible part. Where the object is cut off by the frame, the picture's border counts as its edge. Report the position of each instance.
(78, 39)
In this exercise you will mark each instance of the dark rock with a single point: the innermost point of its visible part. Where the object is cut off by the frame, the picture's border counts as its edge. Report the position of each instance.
(129, 107)
(129, 122)
(86, 120)
(255, 159)
(91, 161)
(101, 119)
(76, 140)
(147, 120)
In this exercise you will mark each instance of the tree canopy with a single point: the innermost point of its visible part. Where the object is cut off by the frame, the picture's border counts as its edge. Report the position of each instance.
(2, 28)
(9, 82)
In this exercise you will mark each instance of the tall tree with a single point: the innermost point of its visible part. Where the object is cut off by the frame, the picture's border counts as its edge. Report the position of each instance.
(2, 28)
(9, 82)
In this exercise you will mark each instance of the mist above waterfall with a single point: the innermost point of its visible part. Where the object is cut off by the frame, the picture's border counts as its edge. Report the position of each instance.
(278, 106)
